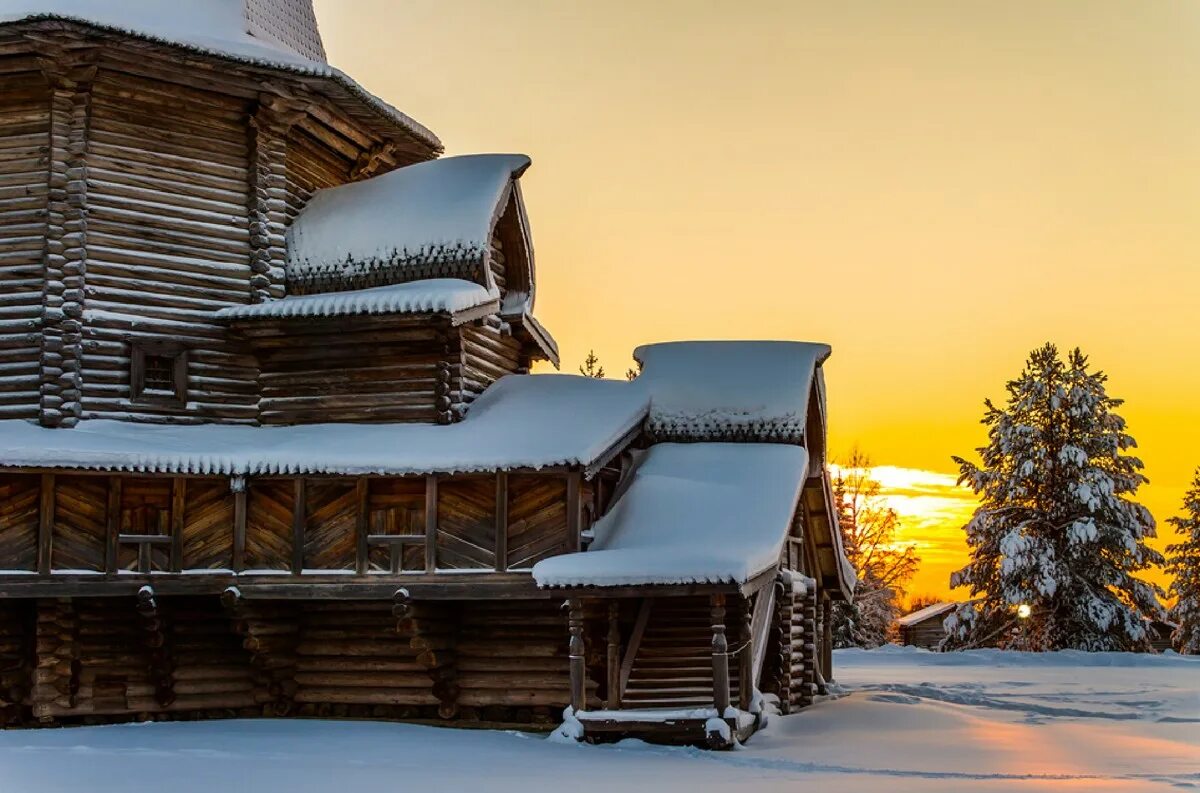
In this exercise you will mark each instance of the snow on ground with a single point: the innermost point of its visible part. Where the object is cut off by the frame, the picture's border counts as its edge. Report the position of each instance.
(915, 721)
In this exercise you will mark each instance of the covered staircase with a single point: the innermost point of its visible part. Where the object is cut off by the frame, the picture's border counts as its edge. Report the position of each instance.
(672, 664)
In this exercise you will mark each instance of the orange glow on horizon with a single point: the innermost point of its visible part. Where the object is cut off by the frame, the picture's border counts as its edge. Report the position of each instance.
(933, 187)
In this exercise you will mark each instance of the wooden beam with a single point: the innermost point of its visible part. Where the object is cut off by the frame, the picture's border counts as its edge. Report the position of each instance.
(362, 554)
(577, 654)
(574, 512)
(178, 499)
(613, 660)
(298, 520)
(649, 590)
(240, 497)
(112, 517)
(746, 657)
(720, 655)
(759, 581)
(612, 451)
(46, 524)
(431, 523)
(827, 637)
(492, 586)
(144, 539)
(501, 521)
(764, 607)
(635, 643)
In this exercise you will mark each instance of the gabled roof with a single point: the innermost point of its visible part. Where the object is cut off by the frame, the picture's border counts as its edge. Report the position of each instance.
(694, 513)
(724, 390)
(522, 421)
(462, 300)
(431, 219)
(929, 612)
(222, 29)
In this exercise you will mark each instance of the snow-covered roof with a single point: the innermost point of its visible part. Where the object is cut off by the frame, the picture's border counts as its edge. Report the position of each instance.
(714, 389)
(217, 27)
(692, 513)
(410, 223)
(522, 421)
(928, 612)
(434, 296)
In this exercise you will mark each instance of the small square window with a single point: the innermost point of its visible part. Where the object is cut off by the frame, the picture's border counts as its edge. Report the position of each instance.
(158, 373)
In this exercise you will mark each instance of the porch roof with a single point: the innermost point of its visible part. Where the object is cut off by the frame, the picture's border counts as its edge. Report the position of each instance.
(699, 513)
(731, 390)
(452, 296)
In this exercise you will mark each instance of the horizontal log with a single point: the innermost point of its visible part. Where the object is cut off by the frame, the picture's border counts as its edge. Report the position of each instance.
(367, 696)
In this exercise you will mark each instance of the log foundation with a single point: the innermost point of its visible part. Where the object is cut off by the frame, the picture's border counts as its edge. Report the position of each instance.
(100, 660)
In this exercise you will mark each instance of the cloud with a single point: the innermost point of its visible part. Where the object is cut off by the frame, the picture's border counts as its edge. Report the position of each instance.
(933, 509)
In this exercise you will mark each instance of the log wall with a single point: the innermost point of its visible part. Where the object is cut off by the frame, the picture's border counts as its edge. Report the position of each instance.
(376, 369)
(791, 666)
(489, 352)
(312, 166)
(358, 369)
(138, 195)
(168, 242)
(24, 141)
(67, 661)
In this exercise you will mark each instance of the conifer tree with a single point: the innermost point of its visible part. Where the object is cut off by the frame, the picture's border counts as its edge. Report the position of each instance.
(1057, 528)
(591, 366)
(1183, 562)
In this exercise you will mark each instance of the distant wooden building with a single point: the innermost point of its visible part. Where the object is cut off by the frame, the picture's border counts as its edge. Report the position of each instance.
(269, 444)
(1162, 635)
(923, 628)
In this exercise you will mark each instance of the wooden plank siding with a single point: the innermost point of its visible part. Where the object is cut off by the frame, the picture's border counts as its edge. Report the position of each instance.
(101, 523)
(330, 519)
(24, 149)
(396, 507)
(466, 523)
(19, 510)
(208, 515)
(269, 524)
(80, 523)
(537, 519)
(146, 511)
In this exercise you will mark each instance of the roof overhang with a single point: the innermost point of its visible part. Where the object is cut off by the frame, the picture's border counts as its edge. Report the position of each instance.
(325, 80)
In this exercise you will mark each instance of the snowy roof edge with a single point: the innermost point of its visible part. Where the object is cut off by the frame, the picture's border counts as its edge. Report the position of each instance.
(926, 613)
(305, 67)
(482, 442)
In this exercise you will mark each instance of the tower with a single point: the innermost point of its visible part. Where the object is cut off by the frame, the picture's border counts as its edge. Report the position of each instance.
(288, 23)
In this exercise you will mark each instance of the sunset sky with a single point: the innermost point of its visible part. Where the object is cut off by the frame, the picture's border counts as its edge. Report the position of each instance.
(933, 188)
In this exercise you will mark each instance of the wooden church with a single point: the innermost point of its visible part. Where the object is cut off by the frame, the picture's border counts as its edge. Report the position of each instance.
(269, 444)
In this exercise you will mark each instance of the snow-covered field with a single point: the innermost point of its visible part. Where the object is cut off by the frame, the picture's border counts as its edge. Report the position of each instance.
(916, 721)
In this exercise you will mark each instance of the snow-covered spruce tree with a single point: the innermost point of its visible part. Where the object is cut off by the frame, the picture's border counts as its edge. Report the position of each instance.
(869, 536)
(1056, 528)
(1183, 562)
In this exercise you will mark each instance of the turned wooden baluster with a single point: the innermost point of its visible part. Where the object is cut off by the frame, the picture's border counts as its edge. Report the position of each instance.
(746, 659)
(576, 651)
(720, 656)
